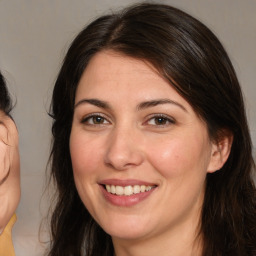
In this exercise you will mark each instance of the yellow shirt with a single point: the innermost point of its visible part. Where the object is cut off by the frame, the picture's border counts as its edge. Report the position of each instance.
(6, 245)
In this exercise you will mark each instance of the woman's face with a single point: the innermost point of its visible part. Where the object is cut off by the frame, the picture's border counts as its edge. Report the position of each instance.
(140, 154)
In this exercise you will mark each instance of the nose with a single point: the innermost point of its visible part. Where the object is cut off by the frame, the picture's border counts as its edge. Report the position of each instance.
(124, 149)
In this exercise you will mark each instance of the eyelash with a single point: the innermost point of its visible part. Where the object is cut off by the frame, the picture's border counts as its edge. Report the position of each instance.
(165, 119)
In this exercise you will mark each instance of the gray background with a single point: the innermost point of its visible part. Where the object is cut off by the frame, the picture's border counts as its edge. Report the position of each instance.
(34, 36)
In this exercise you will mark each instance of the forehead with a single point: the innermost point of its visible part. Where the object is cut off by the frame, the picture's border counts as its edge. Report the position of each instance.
(125, 77)
(107, 64)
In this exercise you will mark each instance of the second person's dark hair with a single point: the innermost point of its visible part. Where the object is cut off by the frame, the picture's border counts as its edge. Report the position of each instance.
(5, 100)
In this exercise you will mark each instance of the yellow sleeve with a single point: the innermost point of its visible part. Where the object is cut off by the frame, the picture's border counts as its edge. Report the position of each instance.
(6, 245)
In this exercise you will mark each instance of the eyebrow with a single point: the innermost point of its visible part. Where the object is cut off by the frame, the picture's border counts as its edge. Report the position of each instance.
(95, 102)
(141, 106)
(153, 103)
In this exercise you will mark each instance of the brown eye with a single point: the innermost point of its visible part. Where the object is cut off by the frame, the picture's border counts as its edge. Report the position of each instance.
(95, 120)
(160, 121)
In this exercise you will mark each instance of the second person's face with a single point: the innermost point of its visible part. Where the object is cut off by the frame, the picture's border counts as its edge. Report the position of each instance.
(9, 169)
(140, 154)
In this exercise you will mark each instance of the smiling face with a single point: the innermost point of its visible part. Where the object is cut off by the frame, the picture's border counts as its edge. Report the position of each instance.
(140, 154)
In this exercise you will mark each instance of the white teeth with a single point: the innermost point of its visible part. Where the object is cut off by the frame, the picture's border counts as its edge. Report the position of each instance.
(119, 190)
(108, 188)
(113, 189)
(127, 190)
(142, 188)
(136, 189)
(148, 188)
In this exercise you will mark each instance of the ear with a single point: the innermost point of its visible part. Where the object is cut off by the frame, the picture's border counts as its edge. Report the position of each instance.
(220, 151)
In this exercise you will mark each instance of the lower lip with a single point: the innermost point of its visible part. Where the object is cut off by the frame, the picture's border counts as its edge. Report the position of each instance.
(125, 201)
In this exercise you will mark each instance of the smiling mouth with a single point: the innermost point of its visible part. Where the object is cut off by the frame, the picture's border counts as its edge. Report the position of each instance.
(127, 190)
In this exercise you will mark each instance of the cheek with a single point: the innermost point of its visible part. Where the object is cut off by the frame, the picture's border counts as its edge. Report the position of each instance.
(85, 155)
(4, 159)
(179, 156)
(85, 162)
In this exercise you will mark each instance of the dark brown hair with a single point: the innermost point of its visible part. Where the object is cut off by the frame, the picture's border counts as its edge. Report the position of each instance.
(191, 58)
(5, 100)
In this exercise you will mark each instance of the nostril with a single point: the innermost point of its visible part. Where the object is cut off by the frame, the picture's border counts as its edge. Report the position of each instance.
(123, 151)
(123, 160)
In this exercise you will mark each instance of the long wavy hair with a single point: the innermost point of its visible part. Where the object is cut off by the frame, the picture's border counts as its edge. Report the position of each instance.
(188, 55)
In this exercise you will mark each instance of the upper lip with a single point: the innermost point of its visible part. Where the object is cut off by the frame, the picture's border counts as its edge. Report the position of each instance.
(126, 182)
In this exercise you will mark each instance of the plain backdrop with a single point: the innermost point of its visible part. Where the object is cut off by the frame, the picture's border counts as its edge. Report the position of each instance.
(34, 36)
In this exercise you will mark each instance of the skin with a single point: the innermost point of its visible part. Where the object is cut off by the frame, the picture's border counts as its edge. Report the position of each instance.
(9, 157)
(166, 145)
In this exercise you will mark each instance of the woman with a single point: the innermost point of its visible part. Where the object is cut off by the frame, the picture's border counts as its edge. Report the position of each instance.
(9, 171)
(151, 151)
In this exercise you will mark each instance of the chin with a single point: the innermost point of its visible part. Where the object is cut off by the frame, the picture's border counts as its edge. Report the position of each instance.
(124, 235)
(126, 229)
